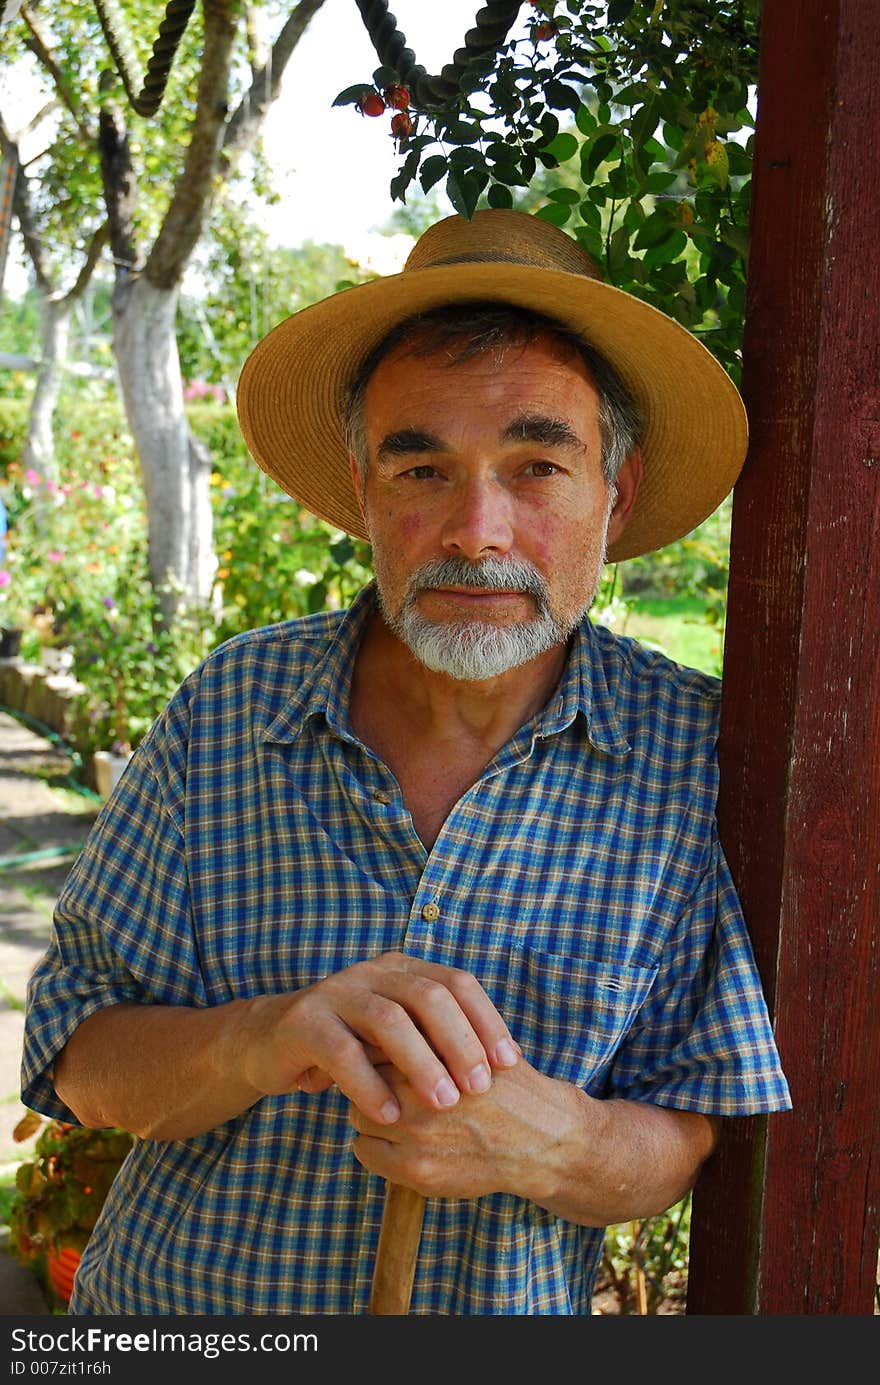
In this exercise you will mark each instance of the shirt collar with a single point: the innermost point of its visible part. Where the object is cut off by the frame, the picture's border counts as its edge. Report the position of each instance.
(326, 690)
(582, 689)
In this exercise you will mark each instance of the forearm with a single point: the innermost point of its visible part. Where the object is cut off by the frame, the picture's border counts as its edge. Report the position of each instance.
(168, 1072)
(162, 1072)
(613, 1161)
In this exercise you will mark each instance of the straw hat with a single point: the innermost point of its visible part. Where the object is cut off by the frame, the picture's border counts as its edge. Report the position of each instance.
(292, 389)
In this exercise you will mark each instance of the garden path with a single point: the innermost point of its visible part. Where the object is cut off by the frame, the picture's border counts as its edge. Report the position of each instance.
(38, 821)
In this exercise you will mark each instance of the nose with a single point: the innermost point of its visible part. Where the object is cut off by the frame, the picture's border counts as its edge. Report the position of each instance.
(479, 522)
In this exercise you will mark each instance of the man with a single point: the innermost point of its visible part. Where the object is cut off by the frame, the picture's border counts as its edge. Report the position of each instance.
(427, 891)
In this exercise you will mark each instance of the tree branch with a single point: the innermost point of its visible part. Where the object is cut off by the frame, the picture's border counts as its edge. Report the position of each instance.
(120, 187)
(245, 123)
(23, 209)
(39, 47)
(93, 254)
(186, 214)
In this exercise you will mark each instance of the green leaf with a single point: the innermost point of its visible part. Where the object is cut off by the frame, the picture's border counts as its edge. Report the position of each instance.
(618, 250)
(499, 196)
(433, 170)
(597, 154)
(555, 213)
(562, 97)
(463, 191)
(351, 95)
(644, 123)
(342, 550)
(619, 10)
(666, 250)
(561, 148)
(738, 238)
(385, 77)
(585, 120)
(654, 230)
(568, 195)
(660, 181)
(461, 132)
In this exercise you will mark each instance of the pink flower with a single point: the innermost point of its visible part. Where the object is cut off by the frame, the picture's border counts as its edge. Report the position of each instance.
(54, 556)
(32, 477)
(5, 578)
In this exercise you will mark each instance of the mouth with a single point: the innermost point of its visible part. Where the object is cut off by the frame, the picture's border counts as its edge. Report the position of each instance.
(487, 599)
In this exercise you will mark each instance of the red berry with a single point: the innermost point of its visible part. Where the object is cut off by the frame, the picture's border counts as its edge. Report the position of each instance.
(397, 97)
(545, 30)
(372, 103)
(401, 125)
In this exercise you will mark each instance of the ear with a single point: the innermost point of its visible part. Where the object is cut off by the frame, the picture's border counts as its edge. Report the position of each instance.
(627, 486)
(357, 483)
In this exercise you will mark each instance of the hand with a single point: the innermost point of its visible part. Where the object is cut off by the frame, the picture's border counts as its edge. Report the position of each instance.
(433, 1023)
(507, 1139)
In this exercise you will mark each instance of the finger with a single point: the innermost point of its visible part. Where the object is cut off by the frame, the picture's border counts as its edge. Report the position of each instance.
(314, 1080)
(340, 1057)
(461, 1023)
(398, 1020)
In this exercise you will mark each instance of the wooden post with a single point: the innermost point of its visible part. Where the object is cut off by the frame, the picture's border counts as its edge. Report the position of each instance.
(785, 1218)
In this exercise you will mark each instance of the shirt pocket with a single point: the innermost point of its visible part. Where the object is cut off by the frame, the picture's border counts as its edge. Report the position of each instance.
(570, 1015)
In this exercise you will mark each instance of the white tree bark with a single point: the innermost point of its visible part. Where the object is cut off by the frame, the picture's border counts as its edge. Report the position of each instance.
(175, 466)
(39, 446)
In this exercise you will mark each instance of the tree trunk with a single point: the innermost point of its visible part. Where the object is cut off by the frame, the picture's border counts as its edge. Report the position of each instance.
(39, 446)
(175, 467)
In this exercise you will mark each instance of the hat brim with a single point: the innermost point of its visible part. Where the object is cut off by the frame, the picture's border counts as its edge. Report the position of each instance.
(292, 390)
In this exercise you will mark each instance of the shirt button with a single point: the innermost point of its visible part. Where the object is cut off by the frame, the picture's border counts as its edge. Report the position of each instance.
(380, 796)
(430, 912)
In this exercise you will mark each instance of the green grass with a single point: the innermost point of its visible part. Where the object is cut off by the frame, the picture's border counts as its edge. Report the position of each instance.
(677, 625)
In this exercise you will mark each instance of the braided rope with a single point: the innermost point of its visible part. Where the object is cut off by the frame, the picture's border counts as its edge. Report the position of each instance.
(149, 98)
(491, 27)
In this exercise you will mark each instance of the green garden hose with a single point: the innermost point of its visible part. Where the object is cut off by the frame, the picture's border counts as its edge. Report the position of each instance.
(69, 782)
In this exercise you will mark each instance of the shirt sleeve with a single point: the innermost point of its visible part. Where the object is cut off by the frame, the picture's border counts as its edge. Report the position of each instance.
(122, 931)
(702, 1039)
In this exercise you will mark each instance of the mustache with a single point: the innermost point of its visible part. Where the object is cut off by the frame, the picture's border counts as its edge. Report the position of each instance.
(499, 574)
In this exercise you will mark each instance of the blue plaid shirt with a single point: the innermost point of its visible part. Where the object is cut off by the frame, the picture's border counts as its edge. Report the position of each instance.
(254, 844)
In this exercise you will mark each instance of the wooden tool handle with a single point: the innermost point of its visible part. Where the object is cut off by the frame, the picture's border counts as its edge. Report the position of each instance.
(398, 1250)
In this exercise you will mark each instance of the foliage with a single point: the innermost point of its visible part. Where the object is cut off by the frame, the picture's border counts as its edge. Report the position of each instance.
(646, 1262)
(80, 549)
(247, 287)
(78, 568)
(60, 1193)
(646, 108)
(276, 560)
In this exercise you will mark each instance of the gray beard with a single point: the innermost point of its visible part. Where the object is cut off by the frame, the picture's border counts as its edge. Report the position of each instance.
(473, 650)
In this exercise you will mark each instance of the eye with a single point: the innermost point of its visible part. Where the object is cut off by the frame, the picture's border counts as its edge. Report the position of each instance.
(423, 472)
(542, 469)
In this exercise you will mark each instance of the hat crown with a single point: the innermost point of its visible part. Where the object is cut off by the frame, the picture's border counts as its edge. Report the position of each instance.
(499, 236)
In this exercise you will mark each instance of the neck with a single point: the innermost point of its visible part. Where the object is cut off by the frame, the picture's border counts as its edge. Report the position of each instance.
(485, 712)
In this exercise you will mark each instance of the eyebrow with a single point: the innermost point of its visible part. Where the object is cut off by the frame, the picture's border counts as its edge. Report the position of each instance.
(406, 441)
(537, 428)
(548, 432)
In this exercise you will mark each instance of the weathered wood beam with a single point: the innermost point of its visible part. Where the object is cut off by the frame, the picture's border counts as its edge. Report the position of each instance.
(787, 1215)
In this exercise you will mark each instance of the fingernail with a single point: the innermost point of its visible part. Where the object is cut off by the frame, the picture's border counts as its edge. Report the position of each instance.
(479, 1079)
(505, 1053)
(446, 1092)
(390, 1111)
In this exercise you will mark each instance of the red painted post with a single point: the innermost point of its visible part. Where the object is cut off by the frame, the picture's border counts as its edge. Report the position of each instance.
(786, 1217)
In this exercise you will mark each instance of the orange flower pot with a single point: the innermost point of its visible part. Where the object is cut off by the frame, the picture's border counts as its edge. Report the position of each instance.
(61, 1266)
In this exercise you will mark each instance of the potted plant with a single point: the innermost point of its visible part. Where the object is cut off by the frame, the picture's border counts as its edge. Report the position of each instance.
(59, 1194)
